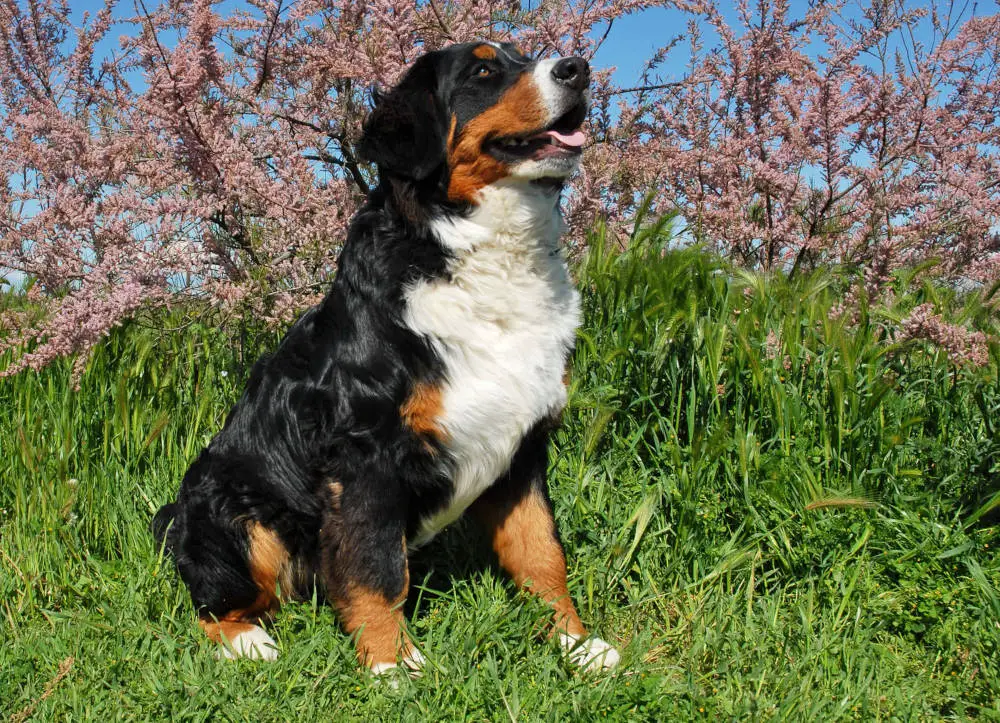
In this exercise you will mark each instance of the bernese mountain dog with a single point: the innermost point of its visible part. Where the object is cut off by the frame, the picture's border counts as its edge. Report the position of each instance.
(424, 386)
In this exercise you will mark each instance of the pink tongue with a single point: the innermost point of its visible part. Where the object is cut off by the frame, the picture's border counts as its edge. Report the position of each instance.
(574, 139)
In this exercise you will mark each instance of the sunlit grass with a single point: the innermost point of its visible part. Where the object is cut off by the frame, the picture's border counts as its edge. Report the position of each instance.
(776, 511)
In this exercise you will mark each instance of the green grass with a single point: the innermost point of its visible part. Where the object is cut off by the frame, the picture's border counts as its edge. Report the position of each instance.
(805, 534)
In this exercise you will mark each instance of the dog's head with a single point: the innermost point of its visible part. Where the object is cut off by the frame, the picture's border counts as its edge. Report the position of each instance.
(470, 115)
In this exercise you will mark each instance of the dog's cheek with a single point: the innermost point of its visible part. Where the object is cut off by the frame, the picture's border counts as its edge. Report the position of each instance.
(520, 111)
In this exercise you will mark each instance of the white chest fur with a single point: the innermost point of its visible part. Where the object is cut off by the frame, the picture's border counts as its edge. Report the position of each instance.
(504, 323)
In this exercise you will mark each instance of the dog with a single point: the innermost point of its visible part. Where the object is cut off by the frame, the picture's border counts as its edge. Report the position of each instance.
(424, 386)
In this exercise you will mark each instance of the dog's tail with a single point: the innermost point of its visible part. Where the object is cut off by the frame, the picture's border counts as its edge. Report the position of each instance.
(161, 523)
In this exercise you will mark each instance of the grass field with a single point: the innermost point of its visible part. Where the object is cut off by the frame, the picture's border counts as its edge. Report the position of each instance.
(774, 513)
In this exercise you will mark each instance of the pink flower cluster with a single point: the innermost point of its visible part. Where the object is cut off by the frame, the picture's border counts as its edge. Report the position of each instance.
(772, 345)
(962, 346)
(209, 153)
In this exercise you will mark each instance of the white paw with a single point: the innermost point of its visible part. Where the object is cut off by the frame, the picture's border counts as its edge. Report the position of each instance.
(412, 664)
(383, 668)
(254, 644)
(591, 654)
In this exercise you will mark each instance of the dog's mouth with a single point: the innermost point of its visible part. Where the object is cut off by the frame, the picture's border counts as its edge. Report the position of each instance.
(562, 139)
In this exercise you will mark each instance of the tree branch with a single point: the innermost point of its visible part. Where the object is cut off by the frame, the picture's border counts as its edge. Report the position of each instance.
(265, 63)
(644, 88)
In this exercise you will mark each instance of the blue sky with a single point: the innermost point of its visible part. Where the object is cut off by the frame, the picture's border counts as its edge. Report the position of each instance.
(631, 42)
(634, 39)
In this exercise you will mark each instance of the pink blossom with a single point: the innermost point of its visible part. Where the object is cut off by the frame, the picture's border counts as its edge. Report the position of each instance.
(772, 345)
(961, 345)
(794, 138)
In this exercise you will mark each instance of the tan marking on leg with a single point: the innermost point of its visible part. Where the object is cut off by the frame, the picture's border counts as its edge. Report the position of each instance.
(269, 566)
(270, 569)
(240, 620)
(336, 492)
(378, 624)
(524, 538)
(216, 629)
(485, 52)
(240, 639)
(520, 111)
(422, 411)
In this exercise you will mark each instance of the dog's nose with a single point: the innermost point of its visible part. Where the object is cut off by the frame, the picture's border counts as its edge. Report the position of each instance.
(574, 73)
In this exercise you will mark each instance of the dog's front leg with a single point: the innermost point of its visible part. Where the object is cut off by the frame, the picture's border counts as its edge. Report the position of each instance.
(366, 574)
(517, 515)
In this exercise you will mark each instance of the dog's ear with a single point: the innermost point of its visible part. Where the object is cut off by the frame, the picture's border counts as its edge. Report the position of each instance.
(405, 132)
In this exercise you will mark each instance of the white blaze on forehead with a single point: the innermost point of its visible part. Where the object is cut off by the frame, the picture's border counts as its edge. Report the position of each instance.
(519, 59)
(554, 96)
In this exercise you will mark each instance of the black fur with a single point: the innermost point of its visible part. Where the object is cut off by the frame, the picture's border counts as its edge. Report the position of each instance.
(323, 407)
(316, 449)
(405, 134)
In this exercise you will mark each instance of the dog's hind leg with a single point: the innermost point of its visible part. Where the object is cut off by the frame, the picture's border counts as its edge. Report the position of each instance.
(239, 630)
(365, 570)
(234, 573)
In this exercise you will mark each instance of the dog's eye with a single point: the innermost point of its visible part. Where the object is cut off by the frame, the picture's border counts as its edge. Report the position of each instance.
(482, 71)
